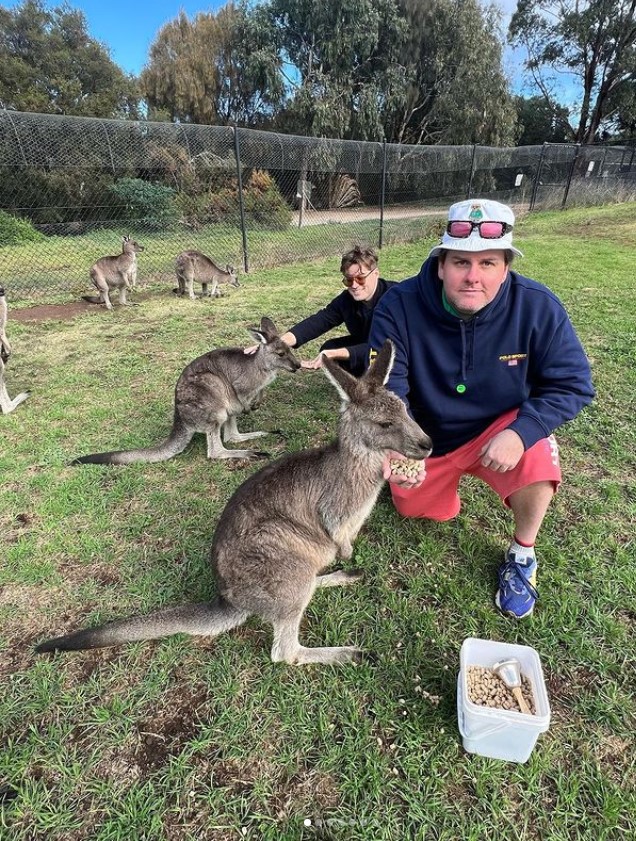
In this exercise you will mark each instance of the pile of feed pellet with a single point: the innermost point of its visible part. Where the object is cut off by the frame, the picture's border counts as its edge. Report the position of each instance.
(487, 689)
(407, 467)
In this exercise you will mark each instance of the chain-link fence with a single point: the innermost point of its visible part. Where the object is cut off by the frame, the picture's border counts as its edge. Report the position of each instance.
(71, 188)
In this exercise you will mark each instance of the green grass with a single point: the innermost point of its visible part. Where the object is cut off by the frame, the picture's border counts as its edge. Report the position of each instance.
(189, 739)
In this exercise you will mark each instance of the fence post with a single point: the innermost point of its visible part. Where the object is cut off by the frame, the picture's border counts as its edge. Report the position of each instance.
(382, 193)
(535, 186)
(237, 155)
(570, 175)
(472, 171)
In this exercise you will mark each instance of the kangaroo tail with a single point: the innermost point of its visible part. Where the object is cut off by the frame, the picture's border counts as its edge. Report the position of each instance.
(93, 299)
(203, 619)
(179, 438)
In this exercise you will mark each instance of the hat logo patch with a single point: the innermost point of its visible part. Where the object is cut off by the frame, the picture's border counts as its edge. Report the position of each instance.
(476, 213)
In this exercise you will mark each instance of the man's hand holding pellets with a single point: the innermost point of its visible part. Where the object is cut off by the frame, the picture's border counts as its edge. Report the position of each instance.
(406, 472)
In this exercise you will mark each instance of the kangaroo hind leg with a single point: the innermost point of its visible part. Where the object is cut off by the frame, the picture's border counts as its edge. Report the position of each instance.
(217, 450)
(102, 287)
(6, 403)
(286, 648)
(232, 435)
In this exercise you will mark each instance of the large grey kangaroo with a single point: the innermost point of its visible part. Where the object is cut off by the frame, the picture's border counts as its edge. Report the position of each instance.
(286, 524)
(210, 393)
(194, 265)
(117, 272)
(6, 403)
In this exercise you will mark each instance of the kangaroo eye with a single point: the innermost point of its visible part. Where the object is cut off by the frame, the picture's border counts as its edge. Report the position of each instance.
(385, 424)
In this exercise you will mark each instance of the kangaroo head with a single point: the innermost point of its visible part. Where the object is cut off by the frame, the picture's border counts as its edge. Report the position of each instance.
(277, 354)
(372, 416)
(130, 246)
(233, 281)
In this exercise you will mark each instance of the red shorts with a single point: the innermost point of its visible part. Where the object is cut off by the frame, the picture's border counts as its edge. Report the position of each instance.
(437, 497)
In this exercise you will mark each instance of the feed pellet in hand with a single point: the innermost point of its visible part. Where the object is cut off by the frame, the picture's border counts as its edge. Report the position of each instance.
(407, 467)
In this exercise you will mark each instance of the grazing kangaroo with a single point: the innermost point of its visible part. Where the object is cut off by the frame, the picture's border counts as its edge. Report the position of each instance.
(193, 265)
(286, 524)
(210, 393)
(118, 272)
(6, 403)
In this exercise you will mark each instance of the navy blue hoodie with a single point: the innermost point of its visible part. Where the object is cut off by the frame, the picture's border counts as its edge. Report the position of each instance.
(457, 377)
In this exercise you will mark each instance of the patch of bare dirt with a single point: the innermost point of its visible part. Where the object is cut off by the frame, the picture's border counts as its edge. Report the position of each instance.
(64, 312)
(167, 732)
(56, 312)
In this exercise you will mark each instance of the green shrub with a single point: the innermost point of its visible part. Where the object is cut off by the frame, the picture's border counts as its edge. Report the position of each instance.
(263, 204)
(151, 205)
(15, 231)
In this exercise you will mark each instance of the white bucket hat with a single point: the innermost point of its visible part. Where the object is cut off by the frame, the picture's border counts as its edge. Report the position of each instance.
(478, 210)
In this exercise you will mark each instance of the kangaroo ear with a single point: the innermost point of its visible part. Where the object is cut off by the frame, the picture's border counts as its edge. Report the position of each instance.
(344, 382)
(266, 333)
(267, 325)
(268, 328)
(260, 337)
(379, 371)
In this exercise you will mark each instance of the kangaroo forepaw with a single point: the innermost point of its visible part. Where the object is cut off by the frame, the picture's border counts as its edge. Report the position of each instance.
(326, 656)
(345, 551)
(339, 578)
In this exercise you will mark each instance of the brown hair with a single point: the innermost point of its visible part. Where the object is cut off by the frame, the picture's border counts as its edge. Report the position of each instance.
(359, 254)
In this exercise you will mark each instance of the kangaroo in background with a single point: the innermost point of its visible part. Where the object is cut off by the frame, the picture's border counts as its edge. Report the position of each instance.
(194, 265)
(210, 393)
(286, 524)
(6, 403)
(118, 272)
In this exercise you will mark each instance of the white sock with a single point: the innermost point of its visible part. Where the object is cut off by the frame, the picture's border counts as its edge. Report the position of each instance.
(522, 551)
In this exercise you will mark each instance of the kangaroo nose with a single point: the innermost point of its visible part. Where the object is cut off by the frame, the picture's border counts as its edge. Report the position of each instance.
(426, 445)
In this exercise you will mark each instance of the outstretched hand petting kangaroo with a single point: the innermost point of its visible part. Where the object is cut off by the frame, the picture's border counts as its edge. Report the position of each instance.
(286, 524)
(210, 393)
(6, 403)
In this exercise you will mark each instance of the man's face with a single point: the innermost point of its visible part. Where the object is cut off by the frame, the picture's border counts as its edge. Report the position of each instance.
(365, 281)
(472, 279)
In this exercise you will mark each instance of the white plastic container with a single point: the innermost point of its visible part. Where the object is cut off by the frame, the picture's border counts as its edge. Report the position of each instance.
(501, 734)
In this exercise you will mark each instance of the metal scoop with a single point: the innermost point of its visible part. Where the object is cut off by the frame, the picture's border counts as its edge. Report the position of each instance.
(510, 673)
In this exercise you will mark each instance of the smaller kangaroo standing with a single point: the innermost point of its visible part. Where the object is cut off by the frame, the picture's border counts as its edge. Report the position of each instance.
(6, 403)
(117, 272)
(210, 393)
(194, 265)
(286, 524)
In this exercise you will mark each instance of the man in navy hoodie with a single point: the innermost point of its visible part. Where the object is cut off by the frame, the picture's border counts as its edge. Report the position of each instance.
(353, 307)
(488, 362)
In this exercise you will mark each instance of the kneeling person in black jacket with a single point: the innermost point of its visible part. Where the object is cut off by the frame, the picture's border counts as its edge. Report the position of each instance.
(353, 307)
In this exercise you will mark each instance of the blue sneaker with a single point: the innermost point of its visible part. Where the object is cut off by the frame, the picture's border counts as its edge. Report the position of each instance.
(517, 586)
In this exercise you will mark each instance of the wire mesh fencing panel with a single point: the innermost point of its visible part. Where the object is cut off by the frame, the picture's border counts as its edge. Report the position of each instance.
(72, 188)
(602, 175)
(330, 190)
